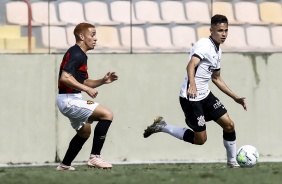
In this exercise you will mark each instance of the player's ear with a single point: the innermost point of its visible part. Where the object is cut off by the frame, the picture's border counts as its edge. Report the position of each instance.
(81, 36)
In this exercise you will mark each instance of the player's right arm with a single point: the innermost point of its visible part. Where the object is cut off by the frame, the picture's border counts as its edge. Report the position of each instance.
(71, 82)
(191, 69)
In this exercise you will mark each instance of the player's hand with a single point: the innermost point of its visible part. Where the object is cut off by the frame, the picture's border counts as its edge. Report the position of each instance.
(192, 91)
(110, 77)
(92, 92)
(242, 101)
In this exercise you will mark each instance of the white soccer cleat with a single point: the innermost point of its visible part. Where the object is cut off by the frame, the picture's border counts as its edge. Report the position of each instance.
(157, 126)
(96, 161)
(233, 164)
(63, 167)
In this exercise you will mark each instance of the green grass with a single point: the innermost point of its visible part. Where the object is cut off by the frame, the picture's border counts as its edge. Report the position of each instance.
(196, 173)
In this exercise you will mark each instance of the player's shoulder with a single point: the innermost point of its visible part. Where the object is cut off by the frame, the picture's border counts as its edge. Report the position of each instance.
(202, 44)
(75, 51)
(203, 41)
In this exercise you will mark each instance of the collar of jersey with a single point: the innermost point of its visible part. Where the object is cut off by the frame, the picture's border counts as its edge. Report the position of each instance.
(215, 47)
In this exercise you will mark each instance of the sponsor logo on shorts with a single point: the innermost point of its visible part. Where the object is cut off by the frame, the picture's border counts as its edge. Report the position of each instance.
(217, 104)
(201, 121)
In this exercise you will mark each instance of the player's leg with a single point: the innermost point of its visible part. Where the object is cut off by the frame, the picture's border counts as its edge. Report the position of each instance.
(195, 119)
(194, 137)
(75, 146)
(104, 116)
(78, 111)
(229, 139)
(215, 110)
(198, 136)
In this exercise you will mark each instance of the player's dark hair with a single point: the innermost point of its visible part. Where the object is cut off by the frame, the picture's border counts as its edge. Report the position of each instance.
(217, 19)
(80, 28)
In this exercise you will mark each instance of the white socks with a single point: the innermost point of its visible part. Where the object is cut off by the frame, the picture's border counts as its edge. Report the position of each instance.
(177, 132)
(230, 150)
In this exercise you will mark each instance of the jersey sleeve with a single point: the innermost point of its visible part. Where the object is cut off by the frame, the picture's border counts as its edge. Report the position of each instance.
(201, 49)
(72, 64)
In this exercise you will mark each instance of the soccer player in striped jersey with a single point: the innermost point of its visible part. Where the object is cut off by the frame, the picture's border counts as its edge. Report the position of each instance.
(73, 79)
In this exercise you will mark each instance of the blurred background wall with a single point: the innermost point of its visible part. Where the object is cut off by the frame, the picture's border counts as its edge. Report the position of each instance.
(34, 131)
(147, 43)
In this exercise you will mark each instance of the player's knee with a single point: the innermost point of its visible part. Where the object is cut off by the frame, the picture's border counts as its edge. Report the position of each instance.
(84, 135)
(85, 131)
(200, 137)
(230, 127)
(200, 141)
(109, 115)
(87, 135)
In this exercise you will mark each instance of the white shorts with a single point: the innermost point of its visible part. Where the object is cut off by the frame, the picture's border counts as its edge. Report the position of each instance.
(76, 109)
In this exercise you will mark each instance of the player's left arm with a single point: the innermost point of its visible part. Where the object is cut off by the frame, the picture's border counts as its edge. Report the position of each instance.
(108, 78)
(218, 81)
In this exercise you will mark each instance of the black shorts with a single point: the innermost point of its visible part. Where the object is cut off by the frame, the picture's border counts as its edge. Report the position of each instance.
(197, 113)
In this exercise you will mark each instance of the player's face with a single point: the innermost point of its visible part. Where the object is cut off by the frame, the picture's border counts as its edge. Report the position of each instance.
(219, 32)
(90, 38)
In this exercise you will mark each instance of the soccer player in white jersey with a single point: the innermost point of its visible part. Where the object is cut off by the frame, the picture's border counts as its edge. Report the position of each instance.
(197, 101)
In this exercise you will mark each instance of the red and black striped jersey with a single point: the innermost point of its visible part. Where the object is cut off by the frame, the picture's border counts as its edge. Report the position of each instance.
(75, 63)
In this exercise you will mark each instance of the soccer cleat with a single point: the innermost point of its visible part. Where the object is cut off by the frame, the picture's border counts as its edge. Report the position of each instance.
(157, 126)
(62, 167)
(96, 161)
(233, 164)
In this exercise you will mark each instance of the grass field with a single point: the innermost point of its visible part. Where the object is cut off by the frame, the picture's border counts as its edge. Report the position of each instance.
(195, 173)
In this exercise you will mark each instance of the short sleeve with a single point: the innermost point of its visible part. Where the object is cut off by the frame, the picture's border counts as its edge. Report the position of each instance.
(72, 64)
(201, 48)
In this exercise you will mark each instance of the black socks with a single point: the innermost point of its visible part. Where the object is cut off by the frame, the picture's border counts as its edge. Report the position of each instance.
(77, 142)
(188, 136)
(229, 136)
(74, 147)
(100, 133)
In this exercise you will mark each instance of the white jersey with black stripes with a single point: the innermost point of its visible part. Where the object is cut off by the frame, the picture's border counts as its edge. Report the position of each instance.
(210, 57)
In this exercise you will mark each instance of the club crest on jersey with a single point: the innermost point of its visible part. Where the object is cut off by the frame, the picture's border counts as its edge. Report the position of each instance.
(90, 102)
(201, 121)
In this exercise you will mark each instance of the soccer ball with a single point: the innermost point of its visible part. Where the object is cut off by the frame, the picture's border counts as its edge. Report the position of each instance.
(247, 156)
